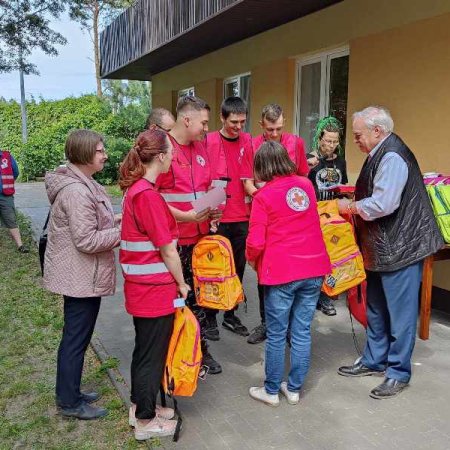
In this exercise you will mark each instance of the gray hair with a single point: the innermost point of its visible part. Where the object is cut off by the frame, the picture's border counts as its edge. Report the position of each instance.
(376, 116)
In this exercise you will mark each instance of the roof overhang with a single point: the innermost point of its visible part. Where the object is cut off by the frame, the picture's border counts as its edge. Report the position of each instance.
(239, 20)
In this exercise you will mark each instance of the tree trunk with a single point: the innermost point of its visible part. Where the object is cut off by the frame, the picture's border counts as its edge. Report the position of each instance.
(23, 107)
(97, 50)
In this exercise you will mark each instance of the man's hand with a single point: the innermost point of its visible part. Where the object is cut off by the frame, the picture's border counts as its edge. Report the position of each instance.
(215, 214)
(201, 216)
(343, 205)
(183, 290)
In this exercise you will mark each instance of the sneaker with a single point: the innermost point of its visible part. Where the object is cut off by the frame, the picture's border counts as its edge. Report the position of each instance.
(23, 249)
(157, 427)
(163, 412)
(211, 332)
(325, 305)
(258, 334)
(213, 366)
(233, 324)
(260, 394)
(83, 412)
(292, 397)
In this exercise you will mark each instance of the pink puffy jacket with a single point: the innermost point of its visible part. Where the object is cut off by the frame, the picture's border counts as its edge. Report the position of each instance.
(79, 260)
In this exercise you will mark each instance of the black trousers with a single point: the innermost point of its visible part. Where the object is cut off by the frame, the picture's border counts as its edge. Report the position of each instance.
(80, 315)
(149, 357)
(237, 233)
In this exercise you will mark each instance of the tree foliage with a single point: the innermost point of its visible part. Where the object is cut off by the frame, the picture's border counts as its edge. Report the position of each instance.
(51, 121)
(24, 26)
(91, 15)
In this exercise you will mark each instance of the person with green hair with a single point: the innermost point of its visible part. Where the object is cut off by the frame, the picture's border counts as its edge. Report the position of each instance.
(330, 170)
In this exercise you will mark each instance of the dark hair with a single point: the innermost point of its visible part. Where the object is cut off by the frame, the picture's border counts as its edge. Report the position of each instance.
(191, 102)
(156, 117)
(81, 146)
(148, 144)
(272, 160)
(271, 112)
(233, 105)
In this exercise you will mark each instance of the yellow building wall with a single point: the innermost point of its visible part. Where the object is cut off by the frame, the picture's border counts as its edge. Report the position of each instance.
(406, 69)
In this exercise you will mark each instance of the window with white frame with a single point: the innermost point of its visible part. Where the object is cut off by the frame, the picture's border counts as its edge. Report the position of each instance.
(239, 86)
(322, 90)
(187, 91)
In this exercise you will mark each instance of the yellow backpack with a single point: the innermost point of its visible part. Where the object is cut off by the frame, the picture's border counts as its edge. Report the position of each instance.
(346, 259)
(184, 357)
(216, 283)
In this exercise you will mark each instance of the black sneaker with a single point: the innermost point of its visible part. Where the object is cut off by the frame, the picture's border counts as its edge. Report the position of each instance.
(258, 334)
(233, 324)
(23, 249)
(325, 305)
(211, 332)
(213, 366)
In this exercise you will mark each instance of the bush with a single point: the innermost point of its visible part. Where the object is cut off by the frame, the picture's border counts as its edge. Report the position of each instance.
(49, 123)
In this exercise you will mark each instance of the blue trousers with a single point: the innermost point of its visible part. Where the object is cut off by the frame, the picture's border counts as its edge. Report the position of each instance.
(392, 309)
(289, 305)
(80, 315)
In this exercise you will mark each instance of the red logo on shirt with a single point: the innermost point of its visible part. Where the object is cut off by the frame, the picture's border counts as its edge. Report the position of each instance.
(297, 199)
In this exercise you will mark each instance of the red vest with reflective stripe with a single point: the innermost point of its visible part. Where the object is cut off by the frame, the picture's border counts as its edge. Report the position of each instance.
(7, 174)
(189, 178)
(141, 261)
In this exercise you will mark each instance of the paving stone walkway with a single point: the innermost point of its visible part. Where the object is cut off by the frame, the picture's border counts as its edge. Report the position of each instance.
(334, 412)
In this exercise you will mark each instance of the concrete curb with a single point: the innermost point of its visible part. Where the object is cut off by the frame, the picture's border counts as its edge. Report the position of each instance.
(122, 388)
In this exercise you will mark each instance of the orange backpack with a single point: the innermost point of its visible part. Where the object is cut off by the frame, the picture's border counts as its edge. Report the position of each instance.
(346, 259)
(184, 357)
(216, 283)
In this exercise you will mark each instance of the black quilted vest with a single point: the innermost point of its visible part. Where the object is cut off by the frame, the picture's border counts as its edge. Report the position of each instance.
(407, 235)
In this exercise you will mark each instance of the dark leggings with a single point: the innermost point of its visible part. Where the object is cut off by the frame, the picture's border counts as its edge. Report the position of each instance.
(149, 357)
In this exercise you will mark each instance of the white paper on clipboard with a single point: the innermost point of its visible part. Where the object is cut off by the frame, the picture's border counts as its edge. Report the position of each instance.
(212, 199)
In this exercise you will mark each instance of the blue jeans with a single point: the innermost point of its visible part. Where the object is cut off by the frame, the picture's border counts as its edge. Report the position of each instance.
(289, 305)
(392, 309)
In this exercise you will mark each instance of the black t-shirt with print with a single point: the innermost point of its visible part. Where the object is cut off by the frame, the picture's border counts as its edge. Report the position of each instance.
(326, 174)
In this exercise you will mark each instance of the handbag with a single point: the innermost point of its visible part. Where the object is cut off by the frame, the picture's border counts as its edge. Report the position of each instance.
(43, 244)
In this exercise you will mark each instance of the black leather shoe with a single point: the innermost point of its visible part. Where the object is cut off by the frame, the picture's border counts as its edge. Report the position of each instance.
(388, 388)
(90, 397)
(357, 370)
(326, 306)
(83, 412)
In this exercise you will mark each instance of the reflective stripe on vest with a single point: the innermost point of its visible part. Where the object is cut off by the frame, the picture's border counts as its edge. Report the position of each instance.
(144, 269)
(182, 198)
(8, 177)
(7, 186)
(142, 246)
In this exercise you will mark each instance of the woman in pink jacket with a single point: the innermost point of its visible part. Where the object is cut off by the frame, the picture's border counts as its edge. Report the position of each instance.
(285, 246)
(79, 261)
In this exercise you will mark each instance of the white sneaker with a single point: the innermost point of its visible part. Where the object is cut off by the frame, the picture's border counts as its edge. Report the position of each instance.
(157, 427)
(292, 397)
(165, 413)
(259, 393)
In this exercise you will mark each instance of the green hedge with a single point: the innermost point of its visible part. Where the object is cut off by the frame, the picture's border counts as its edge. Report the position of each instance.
(49, 123)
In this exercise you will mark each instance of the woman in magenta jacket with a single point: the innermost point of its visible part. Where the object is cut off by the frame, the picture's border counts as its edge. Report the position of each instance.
(285, 246)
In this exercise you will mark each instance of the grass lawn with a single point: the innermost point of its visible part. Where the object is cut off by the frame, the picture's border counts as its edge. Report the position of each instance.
(30, 329)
